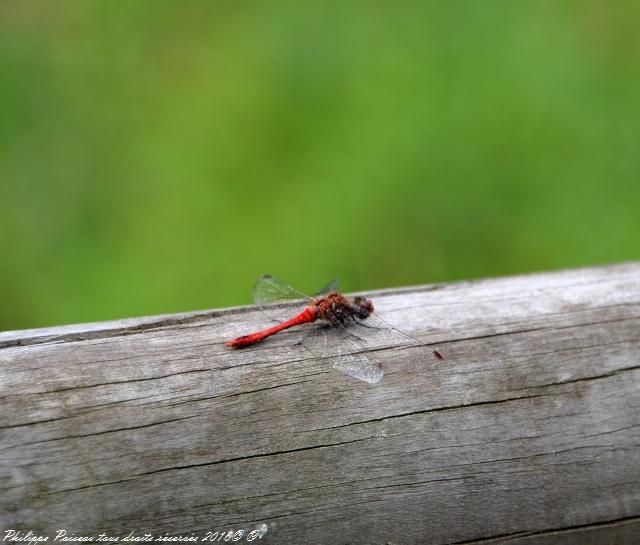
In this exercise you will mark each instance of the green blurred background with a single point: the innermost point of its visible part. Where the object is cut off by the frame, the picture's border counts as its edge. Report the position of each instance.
(157, 156)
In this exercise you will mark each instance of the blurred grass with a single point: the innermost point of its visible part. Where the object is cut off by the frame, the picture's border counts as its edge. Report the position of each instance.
(157, 156)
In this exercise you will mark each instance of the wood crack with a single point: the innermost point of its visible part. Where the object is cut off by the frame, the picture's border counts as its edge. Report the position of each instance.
(505, 538)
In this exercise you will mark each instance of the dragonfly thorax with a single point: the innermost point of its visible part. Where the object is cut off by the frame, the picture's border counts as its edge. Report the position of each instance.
(335, 307)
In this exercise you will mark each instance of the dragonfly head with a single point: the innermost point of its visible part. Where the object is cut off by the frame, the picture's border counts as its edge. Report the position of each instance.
(362, 307)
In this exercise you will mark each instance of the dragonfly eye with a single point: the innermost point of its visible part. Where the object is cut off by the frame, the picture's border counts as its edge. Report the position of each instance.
(363, 307)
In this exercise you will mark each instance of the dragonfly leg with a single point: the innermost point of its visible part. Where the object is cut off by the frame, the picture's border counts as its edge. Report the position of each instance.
(368, 326)
(354, 336)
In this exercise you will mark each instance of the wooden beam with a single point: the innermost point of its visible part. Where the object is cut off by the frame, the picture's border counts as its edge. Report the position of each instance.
(529, 432)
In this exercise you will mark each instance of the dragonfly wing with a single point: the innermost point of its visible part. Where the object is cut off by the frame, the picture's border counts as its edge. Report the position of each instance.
(343, 352)
(355, 359)
(330, 287)
(268, 289)
(387, 335)
(360, 365)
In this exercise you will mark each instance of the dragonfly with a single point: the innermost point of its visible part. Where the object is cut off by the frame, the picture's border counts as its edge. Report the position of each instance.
(339, 315)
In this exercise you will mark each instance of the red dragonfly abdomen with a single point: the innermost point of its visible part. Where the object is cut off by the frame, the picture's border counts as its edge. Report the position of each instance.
(309, 314)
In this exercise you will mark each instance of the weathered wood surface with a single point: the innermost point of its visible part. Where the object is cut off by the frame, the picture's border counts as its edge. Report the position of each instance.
(528, 433)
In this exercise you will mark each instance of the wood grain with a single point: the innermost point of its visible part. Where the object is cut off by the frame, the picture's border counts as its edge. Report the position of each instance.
(529, 433)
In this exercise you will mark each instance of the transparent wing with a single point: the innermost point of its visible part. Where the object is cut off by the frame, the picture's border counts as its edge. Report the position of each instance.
(330, 287)
(268, 289)
(355, 359)
(360, 365)
(342, 351)
(385, 334)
